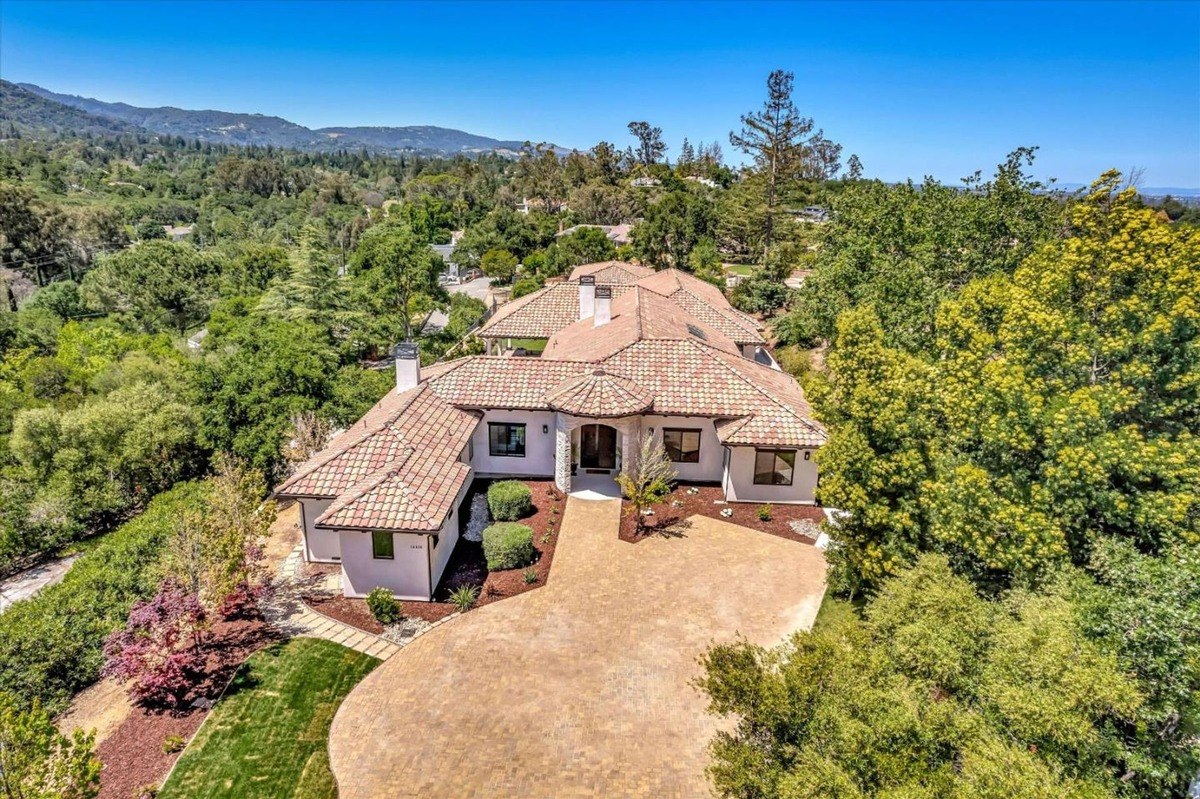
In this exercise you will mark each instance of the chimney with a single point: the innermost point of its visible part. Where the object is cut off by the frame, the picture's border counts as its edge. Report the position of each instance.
(408, 366)
(603, 314)
(587, 296)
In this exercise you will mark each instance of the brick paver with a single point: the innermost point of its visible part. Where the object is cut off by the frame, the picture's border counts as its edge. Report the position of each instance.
(581, 688)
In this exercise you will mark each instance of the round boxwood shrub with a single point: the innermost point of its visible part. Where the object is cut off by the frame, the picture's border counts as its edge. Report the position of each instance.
(509, 500)
(507, 545)
(383, 607)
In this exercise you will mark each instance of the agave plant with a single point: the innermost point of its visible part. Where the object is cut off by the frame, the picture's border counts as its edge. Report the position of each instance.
(464, 597)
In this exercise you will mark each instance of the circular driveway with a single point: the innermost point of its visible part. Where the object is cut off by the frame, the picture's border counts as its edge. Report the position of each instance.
(583, 687)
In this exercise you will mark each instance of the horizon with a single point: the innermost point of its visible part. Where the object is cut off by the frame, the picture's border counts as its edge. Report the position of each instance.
(960, 109)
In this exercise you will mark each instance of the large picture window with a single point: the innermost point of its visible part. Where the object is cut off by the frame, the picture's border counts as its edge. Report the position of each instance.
(383, 546)
(682, 445)
(506, 440)
(774, 467)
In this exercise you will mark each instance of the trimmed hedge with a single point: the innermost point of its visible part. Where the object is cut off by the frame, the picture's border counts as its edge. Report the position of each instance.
(509, 500)
(50, 645)
(507, 545)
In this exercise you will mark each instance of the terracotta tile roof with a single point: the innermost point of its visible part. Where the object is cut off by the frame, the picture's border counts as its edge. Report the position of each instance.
(538, 315)
(706, 302)
(612, 273)
(600, 394)
(416, 493)
(505, 382)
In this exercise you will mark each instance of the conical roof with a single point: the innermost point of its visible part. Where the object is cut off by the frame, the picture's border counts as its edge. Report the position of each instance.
(599, 394)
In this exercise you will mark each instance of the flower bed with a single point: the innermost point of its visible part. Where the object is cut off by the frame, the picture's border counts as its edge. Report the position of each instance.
(707, 500)
(467, 566)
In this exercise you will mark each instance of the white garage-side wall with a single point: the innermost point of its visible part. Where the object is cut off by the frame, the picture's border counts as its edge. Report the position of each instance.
(739, 480)
(712, 454)
(539, 446)
(406, 575)
(320, 546)
(447, 537)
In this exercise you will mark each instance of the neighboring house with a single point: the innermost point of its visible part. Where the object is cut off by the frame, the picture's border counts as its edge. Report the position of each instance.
(709, 182)
(178, 233)
(196, 340)
(626, 352)
(617, 234)
(811, 213)
(645, 182)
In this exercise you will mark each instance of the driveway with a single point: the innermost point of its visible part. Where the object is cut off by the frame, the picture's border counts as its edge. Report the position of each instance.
(583, 687)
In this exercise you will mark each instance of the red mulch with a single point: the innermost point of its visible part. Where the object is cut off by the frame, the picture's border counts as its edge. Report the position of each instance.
(710, 501)
(466, 567)
(133, 755)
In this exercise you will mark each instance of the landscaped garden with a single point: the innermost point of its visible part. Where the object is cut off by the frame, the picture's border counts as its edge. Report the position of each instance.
(520, 558)
(794, 522)
(267, 736)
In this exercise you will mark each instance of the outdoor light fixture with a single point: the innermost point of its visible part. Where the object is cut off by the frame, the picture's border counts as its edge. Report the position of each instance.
(807, 453)
(545, 429)
(651, 431)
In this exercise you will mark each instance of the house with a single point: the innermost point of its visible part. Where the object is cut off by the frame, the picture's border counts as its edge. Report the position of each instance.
(178, 233)
(709, 182)
(618, 234)
(626, 352)
(645, 182)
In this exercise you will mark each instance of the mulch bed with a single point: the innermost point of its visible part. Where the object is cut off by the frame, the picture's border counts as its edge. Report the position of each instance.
(466, 567)
(132, 756)
(709, 501)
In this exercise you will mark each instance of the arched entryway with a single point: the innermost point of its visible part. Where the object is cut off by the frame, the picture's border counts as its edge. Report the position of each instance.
(597, 447)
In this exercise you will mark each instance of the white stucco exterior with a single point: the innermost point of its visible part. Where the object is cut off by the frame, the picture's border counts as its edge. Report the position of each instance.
(320, 546)
(712, 453)
(740, 487)
(406, 575)
(539, 447)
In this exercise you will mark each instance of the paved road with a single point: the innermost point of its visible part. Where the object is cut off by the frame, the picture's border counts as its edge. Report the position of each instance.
(580, 688)
(25, 584)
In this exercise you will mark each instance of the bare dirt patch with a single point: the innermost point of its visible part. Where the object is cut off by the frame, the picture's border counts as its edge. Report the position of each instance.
(467, 566)
(102, 707)
(670, 516)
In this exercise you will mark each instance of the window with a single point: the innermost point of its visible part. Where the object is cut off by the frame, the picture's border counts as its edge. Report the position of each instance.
(383, 546)
(774, 467)
(507, 440)
(682, 446)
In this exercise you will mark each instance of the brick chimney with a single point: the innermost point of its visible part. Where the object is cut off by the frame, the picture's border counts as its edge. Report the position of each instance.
(603, 312)
(587, 296)
(408, 366)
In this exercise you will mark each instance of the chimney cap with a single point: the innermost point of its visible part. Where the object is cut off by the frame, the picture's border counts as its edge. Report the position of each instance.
(407, 350)
(587, 280)
(604, 292)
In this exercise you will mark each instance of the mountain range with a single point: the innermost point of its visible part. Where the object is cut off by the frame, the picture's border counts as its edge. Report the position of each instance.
(32, 107)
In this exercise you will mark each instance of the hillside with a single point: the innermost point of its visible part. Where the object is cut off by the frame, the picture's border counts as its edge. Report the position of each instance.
(258, 129)
(29, 112)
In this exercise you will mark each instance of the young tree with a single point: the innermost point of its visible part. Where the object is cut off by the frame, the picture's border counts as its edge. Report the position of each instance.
(39, 762)
(650, 146)
(158, 650)
(650, 481)
(237, 521)
(783, 144)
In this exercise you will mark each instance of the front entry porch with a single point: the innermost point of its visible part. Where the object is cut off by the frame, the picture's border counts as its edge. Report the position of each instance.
(590, 452)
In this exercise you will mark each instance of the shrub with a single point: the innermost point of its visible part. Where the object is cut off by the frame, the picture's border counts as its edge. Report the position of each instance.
(764, 512)
(464, 597)
(50, 645)
(383, 607)
(530, 575)
(507, 545)
(173, 743)
(509, 500)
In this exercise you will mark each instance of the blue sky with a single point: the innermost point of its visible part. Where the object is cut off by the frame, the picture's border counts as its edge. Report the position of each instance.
(914, 89)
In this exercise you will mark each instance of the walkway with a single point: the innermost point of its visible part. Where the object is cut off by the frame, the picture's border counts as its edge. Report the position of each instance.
(24, 585)
(582, 687)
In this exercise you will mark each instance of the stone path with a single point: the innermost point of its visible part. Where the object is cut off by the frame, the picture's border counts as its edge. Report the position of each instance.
(284, 608)
(582, 687)
(24, 585)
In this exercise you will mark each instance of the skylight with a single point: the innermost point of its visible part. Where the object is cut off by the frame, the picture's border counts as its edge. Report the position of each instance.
(697, 332)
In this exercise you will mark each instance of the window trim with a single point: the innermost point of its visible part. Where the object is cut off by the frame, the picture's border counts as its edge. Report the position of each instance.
(699, 442)
(376, 538)
(524, 439)
(775, 453)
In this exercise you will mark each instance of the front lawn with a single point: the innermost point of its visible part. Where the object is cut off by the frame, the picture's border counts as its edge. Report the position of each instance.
(267, 737)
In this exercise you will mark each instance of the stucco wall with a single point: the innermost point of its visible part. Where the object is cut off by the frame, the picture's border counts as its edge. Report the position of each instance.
(448, 536)
(406, 575)
(320, 546)
(539, 446)
(711, 452)
(740, 487)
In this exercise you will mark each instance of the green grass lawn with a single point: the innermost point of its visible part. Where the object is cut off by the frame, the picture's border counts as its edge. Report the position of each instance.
(267, 737)
(745, 270)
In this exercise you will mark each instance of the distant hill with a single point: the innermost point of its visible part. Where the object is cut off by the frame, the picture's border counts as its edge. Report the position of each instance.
(245, 129)
(29, 112)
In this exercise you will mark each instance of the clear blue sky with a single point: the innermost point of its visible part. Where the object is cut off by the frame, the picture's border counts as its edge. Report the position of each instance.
(914, 89)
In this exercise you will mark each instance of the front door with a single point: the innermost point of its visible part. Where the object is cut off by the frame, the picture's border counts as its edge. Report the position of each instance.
(597, 447)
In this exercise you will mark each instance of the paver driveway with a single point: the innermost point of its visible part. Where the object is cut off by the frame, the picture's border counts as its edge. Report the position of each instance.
(582, 687)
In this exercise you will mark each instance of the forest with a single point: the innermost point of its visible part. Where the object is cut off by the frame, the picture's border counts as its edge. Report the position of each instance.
(1009, 375)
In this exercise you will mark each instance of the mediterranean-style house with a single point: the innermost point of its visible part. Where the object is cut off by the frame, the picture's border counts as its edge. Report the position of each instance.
(615, 353)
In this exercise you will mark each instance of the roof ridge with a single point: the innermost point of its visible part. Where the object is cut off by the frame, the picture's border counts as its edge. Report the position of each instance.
(369, 483)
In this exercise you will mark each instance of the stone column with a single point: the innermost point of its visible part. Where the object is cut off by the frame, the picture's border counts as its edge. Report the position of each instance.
(562, 454)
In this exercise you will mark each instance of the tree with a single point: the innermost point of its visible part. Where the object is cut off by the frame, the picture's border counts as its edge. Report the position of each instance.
(400, 267)
(237, 521)
(705, 262)
(650, 480)
(587, 245)
(39, 762)
(671, 228)
(783, 144)
(34, 236)
(854, 170)
(650, 146)
(158, 650)
(500, 265)
(539, 176)
(156, 285)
